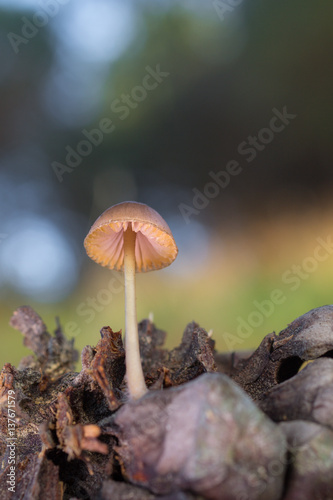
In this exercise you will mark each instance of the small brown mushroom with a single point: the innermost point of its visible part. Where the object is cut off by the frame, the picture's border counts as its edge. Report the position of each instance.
(131, 237)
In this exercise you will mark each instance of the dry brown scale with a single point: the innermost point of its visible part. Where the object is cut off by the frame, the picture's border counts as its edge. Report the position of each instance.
(233, 426)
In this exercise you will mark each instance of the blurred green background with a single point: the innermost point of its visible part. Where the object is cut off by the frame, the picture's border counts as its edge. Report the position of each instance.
(173, 104)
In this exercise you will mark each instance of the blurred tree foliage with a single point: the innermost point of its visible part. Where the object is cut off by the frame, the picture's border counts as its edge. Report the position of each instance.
(227, 71)
(225, 77)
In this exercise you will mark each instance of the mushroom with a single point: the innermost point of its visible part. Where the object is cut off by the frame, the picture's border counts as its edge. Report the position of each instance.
(131, 237)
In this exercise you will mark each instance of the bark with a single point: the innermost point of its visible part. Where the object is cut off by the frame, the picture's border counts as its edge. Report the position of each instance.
(205, 435)
(279, 357)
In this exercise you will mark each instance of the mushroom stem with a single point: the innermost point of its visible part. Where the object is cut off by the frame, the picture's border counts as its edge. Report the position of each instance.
(135, 379)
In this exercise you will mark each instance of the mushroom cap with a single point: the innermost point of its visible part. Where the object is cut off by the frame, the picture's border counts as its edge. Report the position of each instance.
(155, 246)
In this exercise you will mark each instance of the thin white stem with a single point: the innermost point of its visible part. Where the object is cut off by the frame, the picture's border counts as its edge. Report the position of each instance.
(135, 379)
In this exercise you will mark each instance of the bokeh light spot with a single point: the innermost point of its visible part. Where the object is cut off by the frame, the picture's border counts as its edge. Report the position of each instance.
(36, 260)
